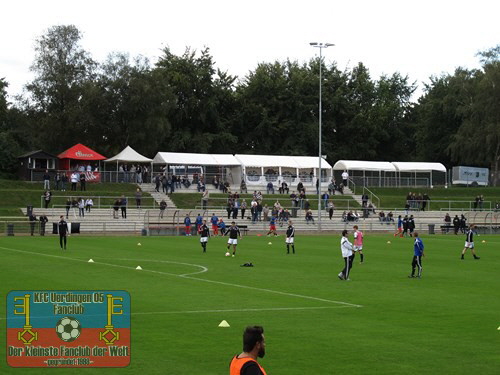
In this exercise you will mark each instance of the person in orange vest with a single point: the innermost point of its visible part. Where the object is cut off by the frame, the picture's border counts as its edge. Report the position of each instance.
(254, 346)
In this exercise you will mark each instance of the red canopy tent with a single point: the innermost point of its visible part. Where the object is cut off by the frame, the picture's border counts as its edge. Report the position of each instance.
(78, 152)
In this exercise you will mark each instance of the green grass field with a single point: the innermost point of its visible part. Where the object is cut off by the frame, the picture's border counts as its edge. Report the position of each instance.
(444, 323)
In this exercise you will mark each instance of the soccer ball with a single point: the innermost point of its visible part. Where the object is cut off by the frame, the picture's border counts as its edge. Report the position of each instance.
(227, 254)
(68, 329)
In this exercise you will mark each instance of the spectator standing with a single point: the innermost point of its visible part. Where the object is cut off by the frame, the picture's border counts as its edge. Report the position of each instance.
(157, 182)
(163, 206)
(46, 180)
(88, 204)
(345, 178)
(81, 207)
(411, 225)
(123, 206)
(57, 180)
(82, 182)
(74, 180)
(47, 196)
(32, 219)
(43, 221)
(425, 200)
(62, 229)
(138, 198)
(116, 207)
(64, 181)
(204, 198)
(463, 224)
(243, 187)
(243, 208)
(68, 206)
(259, 210)
(447, 222)
(456, 224)
(331, 208)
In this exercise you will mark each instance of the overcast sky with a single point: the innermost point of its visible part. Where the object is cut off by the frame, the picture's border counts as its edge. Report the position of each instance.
(417, 38)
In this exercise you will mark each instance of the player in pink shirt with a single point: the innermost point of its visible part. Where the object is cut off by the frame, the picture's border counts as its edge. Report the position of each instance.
(358, 242)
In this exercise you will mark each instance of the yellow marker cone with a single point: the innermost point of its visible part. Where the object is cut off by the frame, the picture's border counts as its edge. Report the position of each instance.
(224, 324)
(138, 268)
(91, 261)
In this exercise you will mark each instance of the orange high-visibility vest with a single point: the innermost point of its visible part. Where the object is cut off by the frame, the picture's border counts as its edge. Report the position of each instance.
(237, 364)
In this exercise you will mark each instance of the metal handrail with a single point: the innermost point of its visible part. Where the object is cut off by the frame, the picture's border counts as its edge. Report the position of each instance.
(372, 194)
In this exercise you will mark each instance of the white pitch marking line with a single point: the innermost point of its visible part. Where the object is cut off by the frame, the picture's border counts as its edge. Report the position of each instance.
(241, 310)
(273, 291)
(208, 311)
(185, 276)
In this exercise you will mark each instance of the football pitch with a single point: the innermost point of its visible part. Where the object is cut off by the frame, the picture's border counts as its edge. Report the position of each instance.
(380, 322)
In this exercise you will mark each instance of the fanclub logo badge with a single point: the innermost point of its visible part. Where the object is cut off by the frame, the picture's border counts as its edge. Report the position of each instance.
(68, 328)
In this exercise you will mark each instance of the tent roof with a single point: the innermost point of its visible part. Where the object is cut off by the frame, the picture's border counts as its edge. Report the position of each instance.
(80, 152)
(130, 155)
(281, 161)
(194, 159)
(178, 158)
(419, 167)
(362, 165)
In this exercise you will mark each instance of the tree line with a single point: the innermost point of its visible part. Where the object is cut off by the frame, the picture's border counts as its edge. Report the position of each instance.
(184, 103)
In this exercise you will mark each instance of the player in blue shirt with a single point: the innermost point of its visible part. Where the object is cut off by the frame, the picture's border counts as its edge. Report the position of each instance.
(199, 222)
(222, 227)
(187, 225)
(272, 226)
(215, 224)
(418, 253)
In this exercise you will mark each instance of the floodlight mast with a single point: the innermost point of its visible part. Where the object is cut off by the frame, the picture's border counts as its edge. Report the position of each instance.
(320, 46)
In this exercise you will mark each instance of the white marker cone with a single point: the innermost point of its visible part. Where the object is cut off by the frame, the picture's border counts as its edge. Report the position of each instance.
(224, 324)
(91, 261)
(138, 268)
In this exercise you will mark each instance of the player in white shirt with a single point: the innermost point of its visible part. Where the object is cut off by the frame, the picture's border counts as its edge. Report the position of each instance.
(346, 247)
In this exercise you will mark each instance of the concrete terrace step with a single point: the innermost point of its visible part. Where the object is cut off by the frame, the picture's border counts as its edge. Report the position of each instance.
(157, 196)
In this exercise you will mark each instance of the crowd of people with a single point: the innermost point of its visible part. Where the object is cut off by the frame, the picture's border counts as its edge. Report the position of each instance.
(133, 173)
(416, 202)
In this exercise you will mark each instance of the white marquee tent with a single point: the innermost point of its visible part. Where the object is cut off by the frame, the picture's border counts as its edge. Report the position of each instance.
(257, 168)
(389, 173)
(128, 154)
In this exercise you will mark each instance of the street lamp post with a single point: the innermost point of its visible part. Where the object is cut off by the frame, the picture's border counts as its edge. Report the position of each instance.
(320, 46)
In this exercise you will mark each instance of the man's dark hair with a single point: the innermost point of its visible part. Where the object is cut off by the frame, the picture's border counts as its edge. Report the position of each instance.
(251, 336)
(344, 232)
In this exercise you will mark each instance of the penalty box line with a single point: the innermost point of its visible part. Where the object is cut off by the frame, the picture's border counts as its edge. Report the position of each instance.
(186, 276)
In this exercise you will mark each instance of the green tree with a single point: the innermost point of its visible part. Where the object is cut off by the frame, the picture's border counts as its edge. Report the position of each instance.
(129, 105)
(203, 102)
(477, 141)
(62, 68)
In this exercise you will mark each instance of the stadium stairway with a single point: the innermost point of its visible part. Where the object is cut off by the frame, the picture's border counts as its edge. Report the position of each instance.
(158, 197)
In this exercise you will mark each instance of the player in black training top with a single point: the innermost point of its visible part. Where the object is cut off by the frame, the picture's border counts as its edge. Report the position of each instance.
(234, 233)
(204, 234)
(469, 242)
(290, 236)
(62, 228)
